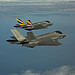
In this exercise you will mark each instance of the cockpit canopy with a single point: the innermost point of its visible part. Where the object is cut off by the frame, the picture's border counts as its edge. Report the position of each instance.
(48, 21)
(58, 32)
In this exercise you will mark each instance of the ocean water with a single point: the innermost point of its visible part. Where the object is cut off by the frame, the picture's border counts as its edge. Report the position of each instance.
(15, 59)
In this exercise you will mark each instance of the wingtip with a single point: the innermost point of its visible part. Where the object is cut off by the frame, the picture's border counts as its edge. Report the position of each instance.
(13, 29)
(16, 19)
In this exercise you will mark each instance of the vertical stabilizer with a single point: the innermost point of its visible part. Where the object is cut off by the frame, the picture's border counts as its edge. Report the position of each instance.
(30, 36)
(21, 23)
(29, 24)
(18, 35)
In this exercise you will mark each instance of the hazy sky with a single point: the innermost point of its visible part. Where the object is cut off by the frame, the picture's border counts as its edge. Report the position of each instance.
(43, 60)
(37, 0)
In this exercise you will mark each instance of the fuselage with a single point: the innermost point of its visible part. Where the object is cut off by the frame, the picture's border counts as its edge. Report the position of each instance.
(36, 26)
(46, 38)
(49, 39)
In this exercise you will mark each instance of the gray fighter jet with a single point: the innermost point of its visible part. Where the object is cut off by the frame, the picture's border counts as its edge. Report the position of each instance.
(49, 39)
(32, 26)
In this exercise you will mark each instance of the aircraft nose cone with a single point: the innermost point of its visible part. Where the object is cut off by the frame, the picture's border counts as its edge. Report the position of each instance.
(51, 23)
(63, 35)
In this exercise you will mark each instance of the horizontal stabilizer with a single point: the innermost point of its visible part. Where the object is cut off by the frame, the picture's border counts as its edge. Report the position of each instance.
(18, 35)
(12, 41)
(30, 36)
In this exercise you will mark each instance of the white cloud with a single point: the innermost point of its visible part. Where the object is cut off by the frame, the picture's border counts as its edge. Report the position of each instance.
(64, 70)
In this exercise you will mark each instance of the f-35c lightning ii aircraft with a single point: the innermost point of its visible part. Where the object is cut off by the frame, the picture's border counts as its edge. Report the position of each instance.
(49, 39)
(32, 26)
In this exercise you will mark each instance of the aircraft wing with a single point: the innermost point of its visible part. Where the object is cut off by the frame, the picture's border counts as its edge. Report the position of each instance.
(17, 26)
(49, 42)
